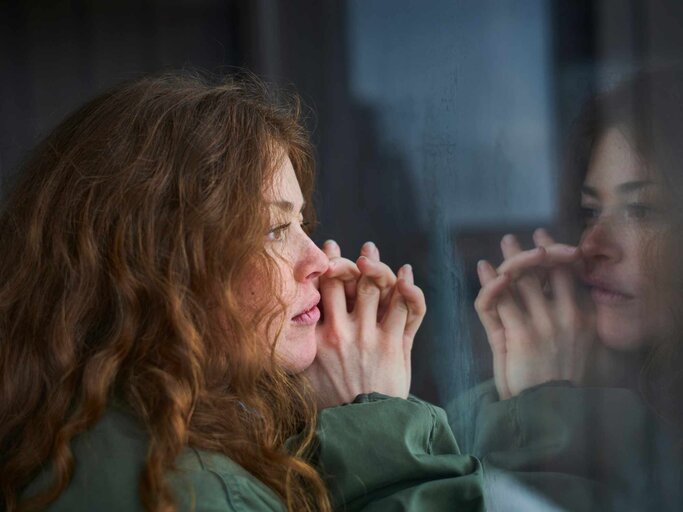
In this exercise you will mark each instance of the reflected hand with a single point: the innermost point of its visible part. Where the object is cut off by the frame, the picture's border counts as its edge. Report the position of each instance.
(529, 308)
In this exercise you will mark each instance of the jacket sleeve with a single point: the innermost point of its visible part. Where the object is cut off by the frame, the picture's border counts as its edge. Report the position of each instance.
(391, 454)
(575, 449)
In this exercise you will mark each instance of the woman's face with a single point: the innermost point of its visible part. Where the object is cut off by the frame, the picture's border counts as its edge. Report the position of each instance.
(623, 241)
(300, 263)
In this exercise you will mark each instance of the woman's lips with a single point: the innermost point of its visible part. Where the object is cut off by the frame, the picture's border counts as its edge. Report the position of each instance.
(310, 314)
(608, 297)
(604, 293)
(309, 317)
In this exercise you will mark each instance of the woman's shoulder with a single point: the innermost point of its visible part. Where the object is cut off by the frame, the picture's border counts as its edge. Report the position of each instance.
(110, 457)
(207, 481)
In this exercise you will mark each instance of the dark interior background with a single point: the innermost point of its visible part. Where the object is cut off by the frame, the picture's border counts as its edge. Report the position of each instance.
(439, 124)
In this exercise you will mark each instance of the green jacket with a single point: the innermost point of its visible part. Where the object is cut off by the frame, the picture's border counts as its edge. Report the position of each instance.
(561, 447)
(378, 453)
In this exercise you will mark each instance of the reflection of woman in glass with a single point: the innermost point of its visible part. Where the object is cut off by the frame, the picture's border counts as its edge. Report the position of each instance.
(158, 305)
(621, 328)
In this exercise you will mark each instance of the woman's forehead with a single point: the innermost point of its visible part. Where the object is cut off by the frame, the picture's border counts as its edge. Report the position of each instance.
(285, 186)
(614, 163)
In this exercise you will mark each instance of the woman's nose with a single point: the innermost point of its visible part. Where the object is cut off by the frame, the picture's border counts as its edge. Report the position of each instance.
(599, 242)
(312, 263)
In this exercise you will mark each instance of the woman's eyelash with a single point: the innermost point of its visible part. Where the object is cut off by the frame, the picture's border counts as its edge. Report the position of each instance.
(632, 211)
(276, 232)
(639, 211)
(588, 213)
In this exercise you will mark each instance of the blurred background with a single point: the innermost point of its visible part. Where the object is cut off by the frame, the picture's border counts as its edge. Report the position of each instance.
(440, 125)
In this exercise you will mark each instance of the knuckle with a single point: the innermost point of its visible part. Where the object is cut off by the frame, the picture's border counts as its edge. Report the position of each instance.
(368, 339)
(388, 273)
(568, 315)
(336, 330)
(401, 305)
(522, 335)
(420, 306)
(367, 287)
(545, 326)
(333, 338)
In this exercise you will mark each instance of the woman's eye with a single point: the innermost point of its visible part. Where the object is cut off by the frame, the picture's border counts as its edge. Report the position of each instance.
(278, 233)
(588, 215)
(637, 211)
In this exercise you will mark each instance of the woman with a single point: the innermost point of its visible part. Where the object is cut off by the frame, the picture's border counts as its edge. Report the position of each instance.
(158, 297)
(603, 315)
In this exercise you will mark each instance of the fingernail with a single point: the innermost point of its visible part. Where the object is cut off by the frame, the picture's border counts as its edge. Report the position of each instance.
(570, 249)
(368, 245)
(408, 272)
(508, 239)
(482, 267)
(330, 242)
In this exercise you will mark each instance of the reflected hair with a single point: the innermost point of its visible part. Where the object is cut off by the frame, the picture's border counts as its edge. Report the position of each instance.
(126, 240)
(647, 109)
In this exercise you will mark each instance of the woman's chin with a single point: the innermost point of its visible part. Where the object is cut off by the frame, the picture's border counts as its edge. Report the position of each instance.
(620, 334)
(298, 350)
(633, 330)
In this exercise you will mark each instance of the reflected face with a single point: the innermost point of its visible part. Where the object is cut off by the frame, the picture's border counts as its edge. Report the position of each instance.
(300, 263)
(625, 229)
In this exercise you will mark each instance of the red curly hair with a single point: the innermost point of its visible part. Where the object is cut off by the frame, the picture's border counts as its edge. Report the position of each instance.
(124, 244)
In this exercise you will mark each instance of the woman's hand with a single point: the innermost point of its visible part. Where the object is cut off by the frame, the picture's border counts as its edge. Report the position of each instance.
(349, 273)
(366, 335)
(536, 328)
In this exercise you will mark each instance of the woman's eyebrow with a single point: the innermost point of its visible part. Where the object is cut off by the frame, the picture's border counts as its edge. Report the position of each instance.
(622, 188)
(633, 186)
(287, 206)
(589, 191)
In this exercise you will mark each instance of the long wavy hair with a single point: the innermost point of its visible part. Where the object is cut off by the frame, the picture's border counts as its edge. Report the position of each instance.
(124, 244)
(647, 108)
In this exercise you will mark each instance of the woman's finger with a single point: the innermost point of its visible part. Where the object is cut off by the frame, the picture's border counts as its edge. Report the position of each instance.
(332, 292)
(560, 277)
(415, 300)
(517, 264)
(528, 285)
(331, 249)
(493, 285)
(367, 294)
(511, 314)
(383, 277)
(343, 269)
(379, 273)
(370, 251)
(555, 254)
(394, 321)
